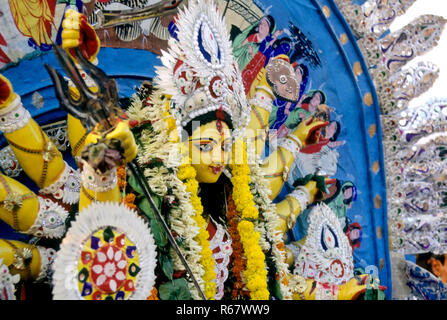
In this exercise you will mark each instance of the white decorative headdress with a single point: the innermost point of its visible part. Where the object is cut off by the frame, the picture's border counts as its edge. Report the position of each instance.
(326, 255)
(199, 71)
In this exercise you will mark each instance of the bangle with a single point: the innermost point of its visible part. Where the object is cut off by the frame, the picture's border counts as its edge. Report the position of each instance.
(47, 256)
(326, 291)
(98, 182)
(302, 195)
(67, 187)
(22, 257)
(50, 220)
(291, 219)
(298, 285)
(14, 117)
(291, 144)
(262, 100)
(295, 139)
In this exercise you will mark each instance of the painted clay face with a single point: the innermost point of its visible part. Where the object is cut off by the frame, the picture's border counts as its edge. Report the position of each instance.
(210, 150)
(263, 28)
(316, 100)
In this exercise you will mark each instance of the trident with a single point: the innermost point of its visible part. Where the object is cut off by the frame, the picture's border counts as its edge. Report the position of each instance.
(103, 108)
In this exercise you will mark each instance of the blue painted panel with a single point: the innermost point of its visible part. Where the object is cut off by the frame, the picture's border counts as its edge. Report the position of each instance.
(345, 94)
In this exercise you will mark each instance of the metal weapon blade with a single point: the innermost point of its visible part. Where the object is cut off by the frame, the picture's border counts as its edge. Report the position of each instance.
(109, 18)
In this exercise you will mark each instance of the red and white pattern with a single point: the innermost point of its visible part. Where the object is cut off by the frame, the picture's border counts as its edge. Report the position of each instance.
(109, 269)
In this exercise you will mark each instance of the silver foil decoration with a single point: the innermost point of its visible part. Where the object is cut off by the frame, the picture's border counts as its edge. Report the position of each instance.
(411, 41)
(414, 139)
(9, 163)
(58, 134)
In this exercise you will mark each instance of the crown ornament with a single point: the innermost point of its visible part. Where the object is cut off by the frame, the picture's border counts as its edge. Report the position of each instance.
(199, 72)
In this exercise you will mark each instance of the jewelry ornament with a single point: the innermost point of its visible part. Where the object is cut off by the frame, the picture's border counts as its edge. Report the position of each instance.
(199, 71)
(326, 255)
(14, 117)
(7, 283)
(50, 220)
(108, 254)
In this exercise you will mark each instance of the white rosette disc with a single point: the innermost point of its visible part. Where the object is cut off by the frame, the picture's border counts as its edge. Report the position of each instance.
(108, 253)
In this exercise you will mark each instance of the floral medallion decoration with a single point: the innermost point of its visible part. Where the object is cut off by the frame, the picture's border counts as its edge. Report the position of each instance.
(113, 254)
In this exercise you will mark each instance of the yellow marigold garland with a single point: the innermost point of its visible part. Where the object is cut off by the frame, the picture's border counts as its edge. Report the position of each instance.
(255, 272)
(187, 174)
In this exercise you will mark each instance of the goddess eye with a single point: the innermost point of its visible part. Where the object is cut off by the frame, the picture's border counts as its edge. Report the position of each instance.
(226, 147)
(205, 147)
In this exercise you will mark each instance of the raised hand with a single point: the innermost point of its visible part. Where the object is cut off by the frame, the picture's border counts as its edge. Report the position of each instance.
(7, 94)
(78, 33)
(122, 133)
(308, 133)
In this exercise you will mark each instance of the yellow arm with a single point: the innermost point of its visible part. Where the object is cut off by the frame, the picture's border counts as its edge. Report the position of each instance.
(104, 187)
(19, 205)
(76, 135)
(261, 105)
(37, 155)
(11, 251)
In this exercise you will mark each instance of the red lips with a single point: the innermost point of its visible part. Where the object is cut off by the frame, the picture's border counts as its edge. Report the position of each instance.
(217, 169)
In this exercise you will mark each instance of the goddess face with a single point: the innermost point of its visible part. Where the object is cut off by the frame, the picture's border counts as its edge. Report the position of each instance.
(264, 28)
(210, 150)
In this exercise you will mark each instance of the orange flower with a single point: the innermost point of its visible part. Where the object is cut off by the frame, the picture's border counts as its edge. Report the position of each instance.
(154, 294)
(237, 255)
(121, 173)
(129, 201)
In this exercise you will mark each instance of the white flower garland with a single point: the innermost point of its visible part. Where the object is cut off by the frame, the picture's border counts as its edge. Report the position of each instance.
(156, 144)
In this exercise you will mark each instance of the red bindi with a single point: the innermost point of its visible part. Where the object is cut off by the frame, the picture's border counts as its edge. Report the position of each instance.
(219, 127)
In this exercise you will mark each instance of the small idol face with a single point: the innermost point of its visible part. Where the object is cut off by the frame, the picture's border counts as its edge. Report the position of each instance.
(264, 28)
(210, 150)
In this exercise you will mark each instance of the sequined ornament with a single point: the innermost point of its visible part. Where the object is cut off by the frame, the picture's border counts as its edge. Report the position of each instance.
(9, 163)
(417, 191)
(50, 220)
(7, 283)
(67, 187)
(108, 254)
(423, 284)
(326, 255)
(224, 251)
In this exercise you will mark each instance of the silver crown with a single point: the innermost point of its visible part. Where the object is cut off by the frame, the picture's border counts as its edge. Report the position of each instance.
(199, 71)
